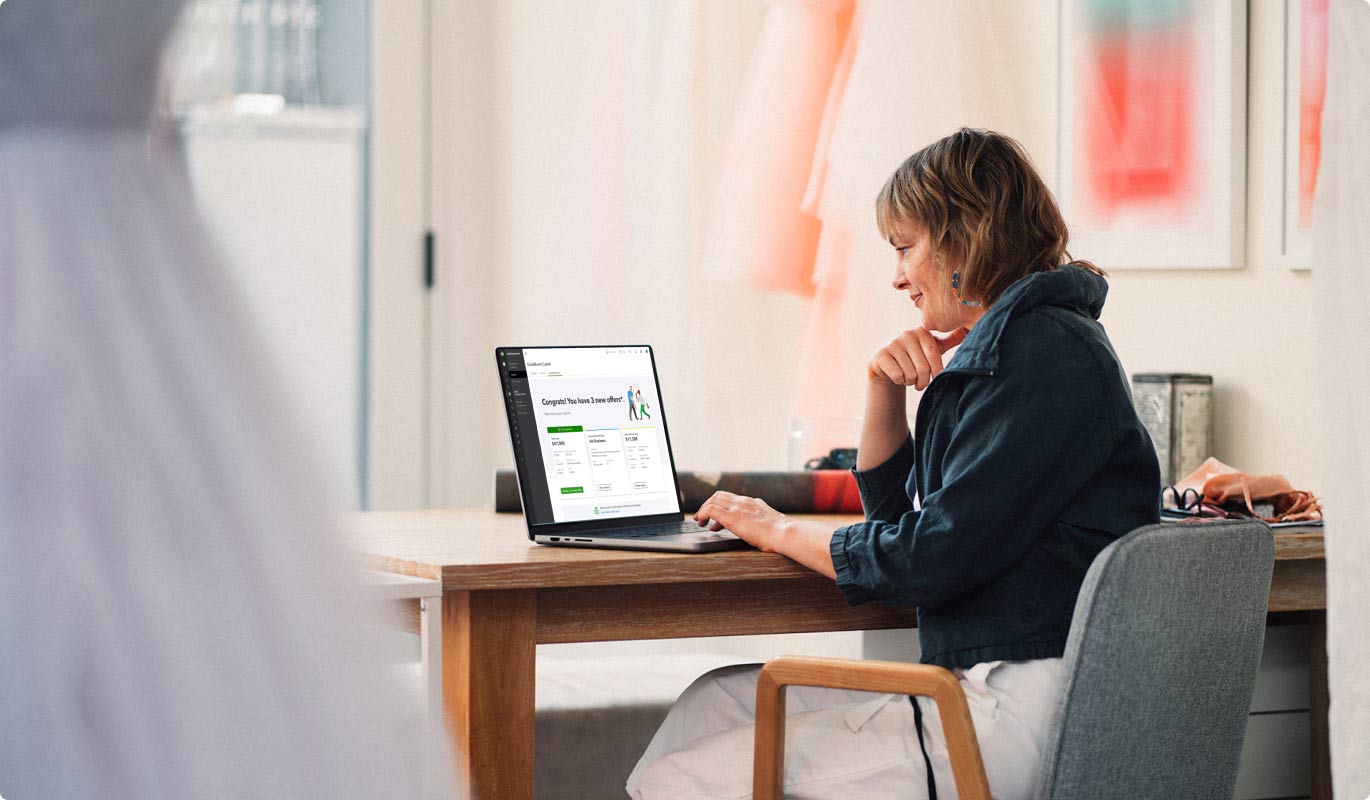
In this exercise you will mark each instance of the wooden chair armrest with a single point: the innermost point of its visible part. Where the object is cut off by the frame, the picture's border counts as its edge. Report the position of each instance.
(768, 766)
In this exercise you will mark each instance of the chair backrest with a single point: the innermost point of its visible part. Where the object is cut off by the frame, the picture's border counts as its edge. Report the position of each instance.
(1161, 663)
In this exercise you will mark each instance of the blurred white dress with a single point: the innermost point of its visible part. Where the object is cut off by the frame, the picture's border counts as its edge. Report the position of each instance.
(174, 614)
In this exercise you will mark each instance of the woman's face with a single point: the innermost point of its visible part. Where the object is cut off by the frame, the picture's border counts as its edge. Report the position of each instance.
(927, 285)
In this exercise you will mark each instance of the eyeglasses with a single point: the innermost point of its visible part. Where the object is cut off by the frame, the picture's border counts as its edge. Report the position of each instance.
(1190, 503)
(1189, 500)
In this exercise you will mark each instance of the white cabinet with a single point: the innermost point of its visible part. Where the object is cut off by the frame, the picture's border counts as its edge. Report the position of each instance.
(1275, 756)
(284, 194)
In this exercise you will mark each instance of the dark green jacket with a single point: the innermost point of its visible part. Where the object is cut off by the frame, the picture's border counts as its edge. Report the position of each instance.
(1029, 459)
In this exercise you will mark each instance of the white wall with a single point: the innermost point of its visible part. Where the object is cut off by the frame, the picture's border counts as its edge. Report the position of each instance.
(717, 346)
(725, 350)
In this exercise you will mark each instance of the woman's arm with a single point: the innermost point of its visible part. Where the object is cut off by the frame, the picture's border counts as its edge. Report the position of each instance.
(885, 426)
(913, 358)
(766, 529)
(1027, 441)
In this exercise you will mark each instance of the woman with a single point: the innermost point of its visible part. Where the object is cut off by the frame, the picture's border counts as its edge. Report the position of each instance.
(1026, 461)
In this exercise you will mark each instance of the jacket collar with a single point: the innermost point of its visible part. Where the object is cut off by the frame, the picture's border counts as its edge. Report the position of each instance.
(1066, 286)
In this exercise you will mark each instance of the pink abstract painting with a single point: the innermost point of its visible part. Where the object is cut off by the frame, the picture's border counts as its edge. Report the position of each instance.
(1139, 126)
(1152, 132)
(1312, 91)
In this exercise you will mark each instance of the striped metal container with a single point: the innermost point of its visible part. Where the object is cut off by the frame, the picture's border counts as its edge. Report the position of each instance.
(1177, 410)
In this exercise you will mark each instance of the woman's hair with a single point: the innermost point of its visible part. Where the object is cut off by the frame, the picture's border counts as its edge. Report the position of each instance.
(984, 207)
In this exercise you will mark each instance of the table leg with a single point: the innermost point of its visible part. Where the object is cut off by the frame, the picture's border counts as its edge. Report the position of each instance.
(1319, 754)
(487, 685)
(430, 654)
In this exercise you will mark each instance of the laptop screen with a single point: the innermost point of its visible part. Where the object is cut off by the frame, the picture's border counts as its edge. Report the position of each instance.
(589, 433)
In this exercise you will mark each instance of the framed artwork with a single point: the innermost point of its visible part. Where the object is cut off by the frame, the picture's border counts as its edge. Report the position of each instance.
(1151, 170)
(1305, 88)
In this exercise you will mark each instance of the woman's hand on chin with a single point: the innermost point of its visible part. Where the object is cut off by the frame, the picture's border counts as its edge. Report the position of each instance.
(750, 518)
(913, 358)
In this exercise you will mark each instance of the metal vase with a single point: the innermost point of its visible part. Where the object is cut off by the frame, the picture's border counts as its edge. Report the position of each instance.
(1177, 410)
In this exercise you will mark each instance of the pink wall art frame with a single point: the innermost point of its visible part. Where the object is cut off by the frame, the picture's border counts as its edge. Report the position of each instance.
(1152, 132)
(1305, 88)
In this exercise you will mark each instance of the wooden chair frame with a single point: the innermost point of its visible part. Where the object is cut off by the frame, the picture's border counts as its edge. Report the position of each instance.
(768, 767)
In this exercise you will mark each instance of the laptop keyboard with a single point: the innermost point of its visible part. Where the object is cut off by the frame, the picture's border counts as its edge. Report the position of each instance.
(648, 531)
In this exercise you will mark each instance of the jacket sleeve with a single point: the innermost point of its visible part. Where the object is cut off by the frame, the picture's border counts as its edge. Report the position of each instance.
(884, 487)
(1026, 441)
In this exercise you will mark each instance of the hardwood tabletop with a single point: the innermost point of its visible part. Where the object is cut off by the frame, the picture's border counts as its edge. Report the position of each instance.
(470, 549)
(480, 549)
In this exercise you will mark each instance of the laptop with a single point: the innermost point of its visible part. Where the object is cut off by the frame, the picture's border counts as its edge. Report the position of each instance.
(591, 450)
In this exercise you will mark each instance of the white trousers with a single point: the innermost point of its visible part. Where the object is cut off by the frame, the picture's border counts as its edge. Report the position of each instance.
(844, 744)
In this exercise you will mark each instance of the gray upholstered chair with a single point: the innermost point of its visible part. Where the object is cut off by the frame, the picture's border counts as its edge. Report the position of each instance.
(1161, 663)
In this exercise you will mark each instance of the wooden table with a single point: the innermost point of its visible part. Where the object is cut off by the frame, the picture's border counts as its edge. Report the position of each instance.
(502, 595)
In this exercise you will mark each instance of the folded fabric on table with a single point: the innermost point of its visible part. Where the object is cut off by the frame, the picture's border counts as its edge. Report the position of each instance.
(1222, 490)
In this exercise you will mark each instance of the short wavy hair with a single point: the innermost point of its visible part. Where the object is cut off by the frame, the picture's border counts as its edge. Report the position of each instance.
(984, 207)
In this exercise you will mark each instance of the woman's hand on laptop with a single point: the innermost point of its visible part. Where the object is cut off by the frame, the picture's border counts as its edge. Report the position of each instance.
(750, 518)
(764, 528)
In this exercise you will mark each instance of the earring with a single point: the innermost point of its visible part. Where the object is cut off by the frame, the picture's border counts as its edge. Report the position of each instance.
(956, 287)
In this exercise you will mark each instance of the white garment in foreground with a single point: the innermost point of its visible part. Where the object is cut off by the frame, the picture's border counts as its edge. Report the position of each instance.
(178, 617)
(1341, 246)
(844, 744)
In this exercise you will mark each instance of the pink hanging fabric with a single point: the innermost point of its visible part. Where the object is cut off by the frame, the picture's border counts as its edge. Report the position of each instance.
(837, 88)
(908, 76)
(838, 94)
(761, 232)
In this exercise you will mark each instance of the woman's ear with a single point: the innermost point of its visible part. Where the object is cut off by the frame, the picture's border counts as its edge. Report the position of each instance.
(953, 256)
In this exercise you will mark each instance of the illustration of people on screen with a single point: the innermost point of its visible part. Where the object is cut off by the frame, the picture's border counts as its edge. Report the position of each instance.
(641, 406)
(643, 410)
(632, 406)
